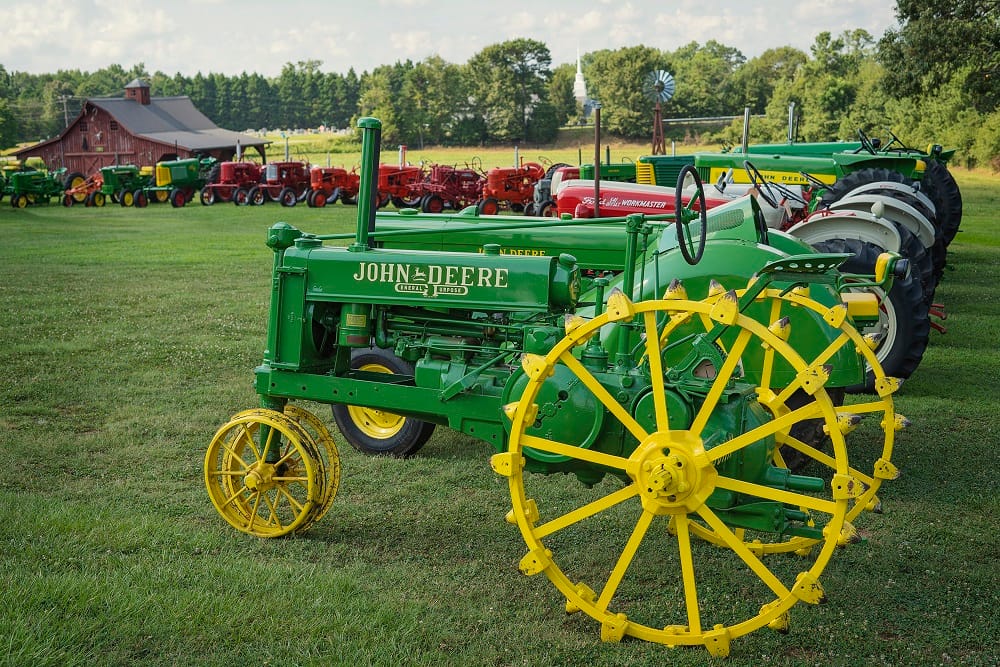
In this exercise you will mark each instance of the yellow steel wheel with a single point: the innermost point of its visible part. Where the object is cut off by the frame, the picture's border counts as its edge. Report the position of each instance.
(327, 450)
(870, 426)
(610, 551)
(159, 196)
(264, 474)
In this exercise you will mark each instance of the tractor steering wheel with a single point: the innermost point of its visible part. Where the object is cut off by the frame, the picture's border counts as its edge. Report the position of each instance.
(866, 143)
(682, 215)
(770, 190)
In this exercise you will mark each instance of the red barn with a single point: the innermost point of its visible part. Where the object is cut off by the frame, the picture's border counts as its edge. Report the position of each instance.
(138, 129)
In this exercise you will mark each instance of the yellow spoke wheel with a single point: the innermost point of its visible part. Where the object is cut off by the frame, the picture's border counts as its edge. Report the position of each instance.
(261, 494)
(623, 554)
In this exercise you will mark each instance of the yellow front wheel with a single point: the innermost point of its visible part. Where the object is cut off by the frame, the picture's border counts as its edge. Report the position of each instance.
(265, 474)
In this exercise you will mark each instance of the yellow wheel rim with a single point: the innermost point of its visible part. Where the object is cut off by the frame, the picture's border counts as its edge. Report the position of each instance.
(261, 495)
(658, 588)
(376, 424)
(77, 185)
(160, 195)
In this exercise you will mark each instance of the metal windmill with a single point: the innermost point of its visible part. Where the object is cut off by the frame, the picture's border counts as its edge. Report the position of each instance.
(659, 87)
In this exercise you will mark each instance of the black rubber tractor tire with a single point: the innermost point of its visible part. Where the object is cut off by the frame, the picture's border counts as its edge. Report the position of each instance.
(948, 200)
(907, 318)
(402, 437)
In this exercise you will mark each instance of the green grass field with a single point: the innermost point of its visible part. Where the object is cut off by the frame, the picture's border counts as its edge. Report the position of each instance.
(128, 338)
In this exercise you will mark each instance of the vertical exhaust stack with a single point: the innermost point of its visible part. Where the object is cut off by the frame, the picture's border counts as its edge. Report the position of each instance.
(791, 122)
(371, 141)
(597, 159)
(746, 129)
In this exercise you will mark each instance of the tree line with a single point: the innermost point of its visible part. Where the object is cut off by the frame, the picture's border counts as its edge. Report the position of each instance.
(933, 78)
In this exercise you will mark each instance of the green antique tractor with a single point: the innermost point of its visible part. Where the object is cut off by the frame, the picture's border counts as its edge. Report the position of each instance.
(34, 187)
(122, 182)
(176, 181)
(676, 402)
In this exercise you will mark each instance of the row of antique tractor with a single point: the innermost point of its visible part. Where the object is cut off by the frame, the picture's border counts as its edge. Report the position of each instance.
(432, 189)
(687, 366)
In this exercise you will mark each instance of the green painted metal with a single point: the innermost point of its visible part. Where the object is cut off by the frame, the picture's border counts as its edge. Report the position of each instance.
(615, 171)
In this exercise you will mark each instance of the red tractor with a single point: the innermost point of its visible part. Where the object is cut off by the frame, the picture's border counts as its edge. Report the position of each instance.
(452, 187)
(513, 186)
(328, 184)
(400, 185)
(232, 182)
(284, 182)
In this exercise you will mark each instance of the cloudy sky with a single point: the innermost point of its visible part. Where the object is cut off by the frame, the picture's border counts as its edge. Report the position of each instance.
(189, 36)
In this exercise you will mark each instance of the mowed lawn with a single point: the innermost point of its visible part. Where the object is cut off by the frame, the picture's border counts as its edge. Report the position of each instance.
(129, 336)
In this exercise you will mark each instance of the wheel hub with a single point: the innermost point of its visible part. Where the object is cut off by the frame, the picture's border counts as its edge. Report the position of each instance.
(260, 477)
(672, 472)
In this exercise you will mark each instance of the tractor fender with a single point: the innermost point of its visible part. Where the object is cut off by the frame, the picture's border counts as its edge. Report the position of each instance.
(891, 209)
(888, 187)
(848, 225)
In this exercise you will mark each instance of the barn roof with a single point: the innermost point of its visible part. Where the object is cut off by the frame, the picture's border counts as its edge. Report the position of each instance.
(172, 120)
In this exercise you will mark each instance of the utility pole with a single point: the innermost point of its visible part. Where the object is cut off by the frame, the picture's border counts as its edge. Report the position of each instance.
(65, 99)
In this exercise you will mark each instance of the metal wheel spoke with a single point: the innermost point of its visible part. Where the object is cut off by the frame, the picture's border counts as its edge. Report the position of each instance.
(618, 573)
(779, 495)
(764, 430)
(602, 394)
(574, 452)
(687, 574)
(831, 349)
(769, 352)
(653, 354)
(253, 510)
(274, 519)
(586, 511)
(291, 499)
(231, 499)
(863, 408)
(245, 433)
(737, 545)
(722, 377)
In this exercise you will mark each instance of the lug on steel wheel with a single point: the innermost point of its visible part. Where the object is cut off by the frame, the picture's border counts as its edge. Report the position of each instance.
(622, 552)
(265, 474)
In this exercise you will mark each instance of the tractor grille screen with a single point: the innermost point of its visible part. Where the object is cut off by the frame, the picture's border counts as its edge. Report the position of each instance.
(727, 220)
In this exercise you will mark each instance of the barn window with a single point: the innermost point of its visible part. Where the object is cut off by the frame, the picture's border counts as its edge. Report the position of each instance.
(113, 125)
(83, 126)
